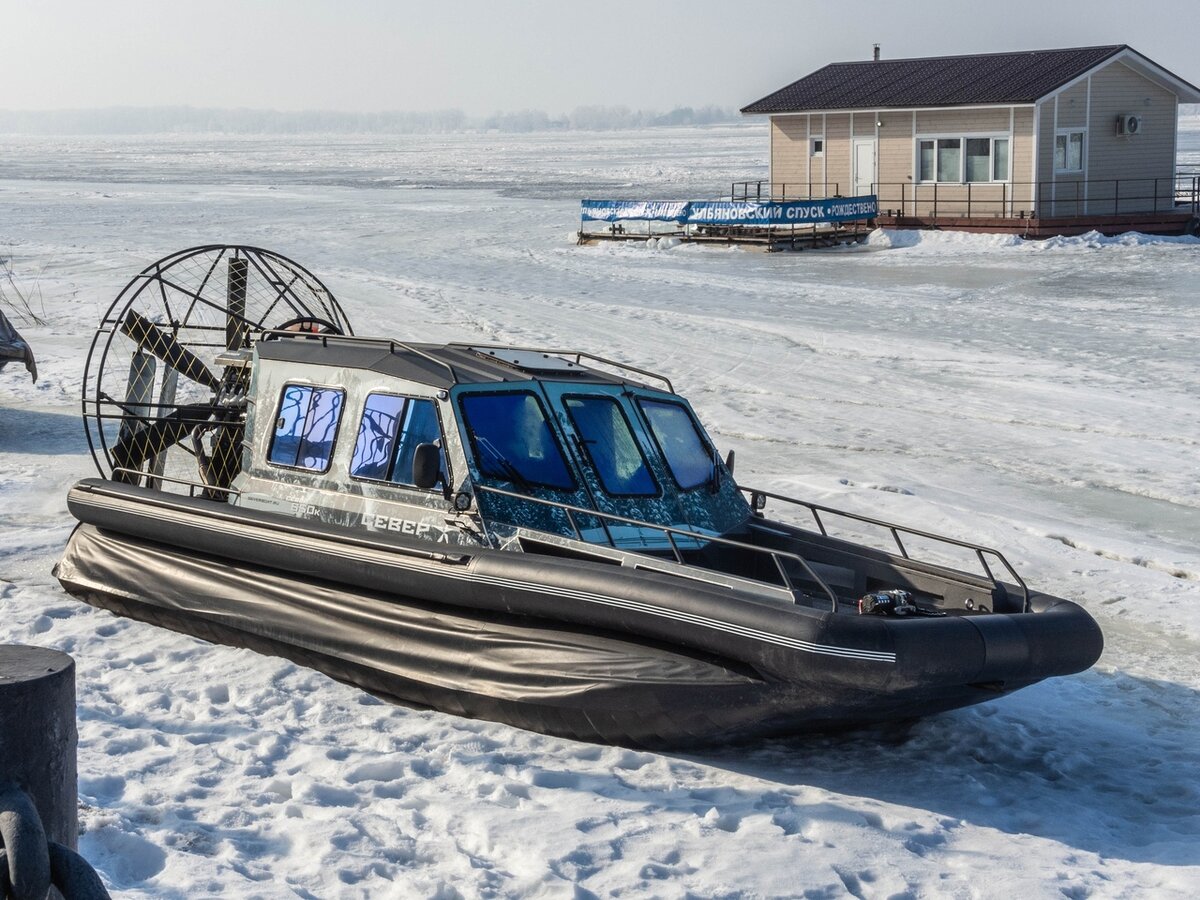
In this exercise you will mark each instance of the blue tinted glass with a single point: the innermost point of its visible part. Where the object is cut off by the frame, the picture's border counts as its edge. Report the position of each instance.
(688, 456)
(377, 436)
(320, 428)
(610, 446)
(513, 442)
(289, 424)
(420, 427)
(305, 427)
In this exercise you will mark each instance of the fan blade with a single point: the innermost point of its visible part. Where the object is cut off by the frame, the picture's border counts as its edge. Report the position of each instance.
(149, 337)
(132, 450)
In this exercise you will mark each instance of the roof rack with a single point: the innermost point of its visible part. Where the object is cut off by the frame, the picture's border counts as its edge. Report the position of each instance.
(390, 343)
(576, 355)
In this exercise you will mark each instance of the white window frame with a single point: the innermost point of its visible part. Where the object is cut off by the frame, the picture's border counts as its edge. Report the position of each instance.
(963, 137)
(812, 145)
(1083, 147)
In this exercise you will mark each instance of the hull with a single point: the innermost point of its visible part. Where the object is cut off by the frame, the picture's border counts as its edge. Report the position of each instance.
(580, 649)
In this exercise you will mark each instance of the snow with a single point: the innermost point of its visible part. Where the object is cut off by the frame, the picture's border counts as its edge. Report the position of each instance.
(1036, 397)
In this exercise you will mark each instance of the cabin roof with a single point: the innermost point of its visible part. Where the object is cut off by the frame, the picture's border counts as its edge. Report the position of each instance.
(443, 366)
(982, 78)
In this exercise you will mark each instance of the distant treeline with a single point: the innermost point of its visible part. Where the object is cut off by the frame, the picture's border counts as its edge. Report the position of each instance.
(190, 120)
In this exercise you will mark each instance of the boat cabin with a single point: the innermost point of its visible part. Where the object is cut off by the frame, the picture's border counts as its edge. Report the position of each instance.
(459, 443)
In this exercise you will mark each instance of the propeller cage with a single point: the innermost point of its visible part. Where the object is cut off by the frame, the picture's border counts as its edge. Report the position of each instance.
(161, 406)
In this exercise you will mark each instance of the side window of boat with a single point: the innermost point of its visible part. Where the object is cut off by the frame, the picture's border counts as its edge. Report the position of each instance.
(610, 446)
(512, 441)
(306, 427)
(391, 429)
(678, 437)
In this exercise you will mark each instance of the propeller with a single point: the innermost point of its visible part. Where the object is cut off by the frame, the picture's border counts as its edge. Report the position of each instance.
(153, 340)
(166, 404)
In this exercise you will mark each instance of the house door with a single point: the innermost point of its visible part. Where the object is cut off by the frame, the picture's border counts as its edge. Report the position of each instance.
(864, 166)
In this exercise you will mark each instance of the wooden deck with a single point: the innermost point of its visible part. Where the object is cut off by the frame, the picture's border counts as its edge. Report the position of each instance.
(1038, 228)
(771, 240)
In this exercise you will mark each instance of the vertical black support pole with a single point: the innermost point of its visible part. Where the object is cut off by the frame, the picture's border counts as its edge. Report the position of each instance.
(235, 303)
(37, 735)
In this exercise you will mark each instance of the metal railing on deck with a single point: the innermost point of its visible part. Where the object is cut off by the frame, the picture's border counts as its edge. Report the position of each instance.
(784, 190)
(1063, 197)
(670, 531)
(895, 530)
(1060, 198)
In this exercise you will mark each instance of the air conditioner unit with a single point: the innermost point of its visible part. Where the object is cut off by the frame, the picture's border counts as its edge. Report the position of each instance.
(1128, 123)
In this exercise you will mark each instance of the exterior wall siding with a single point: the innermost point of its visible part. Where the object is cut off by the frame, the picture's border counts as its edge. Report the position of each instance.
(895, 159)
(962, 121)
(837, 179)
(1022, 162)
(789, 150)
(1136, 161)
(1045, 166)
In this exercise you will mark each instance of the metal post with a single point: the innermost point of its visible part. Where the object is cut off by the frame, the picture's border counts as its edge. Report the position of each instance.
(235, 299)
(39, 798)
(1116, 196)
(37, 735)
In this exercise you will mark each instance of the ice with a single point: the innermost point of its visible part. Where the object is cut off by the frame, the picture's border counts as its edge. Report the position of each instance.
(1036, 397)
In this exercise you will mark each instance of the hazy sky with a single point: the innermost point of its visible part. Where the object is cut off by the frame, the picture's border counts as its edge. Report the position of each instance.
(483, 57)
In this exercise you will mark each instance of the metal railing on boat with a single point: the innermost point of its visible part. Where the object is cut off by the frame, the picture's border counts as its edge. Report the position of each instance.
(981, 552)
(671, 533)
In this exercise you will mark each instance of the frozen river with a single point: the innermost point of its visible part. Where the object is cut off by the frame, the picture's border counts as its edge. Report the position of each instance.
(1040, 398)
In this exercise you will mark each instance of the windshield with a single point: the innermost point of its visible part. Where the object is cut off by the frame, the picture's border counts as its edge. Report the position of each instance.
(609, 443)
(677, 435)
(512, 441)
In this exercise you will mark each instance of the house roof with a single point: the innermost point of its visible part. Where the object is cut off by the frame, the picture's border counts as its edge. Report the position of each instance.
(982, 78)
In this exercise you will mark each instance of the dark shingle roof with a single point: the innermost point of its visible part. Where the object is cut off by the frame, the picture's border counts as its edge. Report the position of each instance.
(1021, 77)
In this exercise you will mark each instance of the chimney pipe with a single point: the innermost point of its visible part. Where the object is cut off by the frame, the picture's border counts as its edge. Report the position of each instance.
(876, 57)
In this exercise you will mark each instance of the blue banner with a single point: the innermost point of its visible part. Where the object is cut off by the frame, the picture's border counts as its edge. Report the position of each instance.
(639, 210)
(732, 212)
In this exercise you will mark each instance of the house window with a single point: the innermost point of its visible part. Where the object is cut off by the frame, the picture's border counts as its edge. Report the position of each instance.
(961, 160)
(1068, 151)
(1000, 159)
(305, 427)
(817, 146)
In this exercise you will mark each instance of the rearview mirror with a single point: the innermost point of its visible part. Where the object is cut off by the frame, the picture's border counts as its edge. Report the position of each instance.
(427, 466)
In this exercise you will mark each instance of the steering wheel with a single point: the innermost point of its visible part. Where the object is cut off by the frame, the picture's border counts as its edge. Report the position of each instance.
(307, 325)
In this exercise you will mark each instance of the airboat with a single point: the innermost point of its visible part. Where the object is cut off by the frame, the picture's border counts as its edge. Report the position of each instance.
(541, 537)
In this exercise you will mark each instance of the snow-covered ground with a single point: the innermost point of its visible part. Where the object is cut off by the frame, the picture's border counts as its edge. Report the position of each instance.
(1042, 398)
